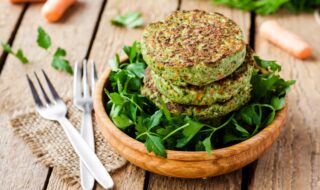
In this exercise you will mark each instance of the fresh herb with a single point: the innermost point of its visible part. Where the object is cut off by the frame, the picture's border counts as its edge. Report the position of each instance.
(265, 7)
(43, 39)
(59, 62)
(131, 20)
(137, 116)
(19, 54)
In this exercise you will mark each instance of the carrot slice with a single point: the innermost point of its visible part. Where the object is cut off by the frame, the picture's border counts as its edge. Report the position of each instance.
(53, 10)
(285, 39)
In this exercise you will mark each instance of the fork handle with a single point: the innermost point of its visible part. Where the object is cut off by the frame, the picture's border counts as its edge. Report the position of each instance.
(87, 156)
(87, 181)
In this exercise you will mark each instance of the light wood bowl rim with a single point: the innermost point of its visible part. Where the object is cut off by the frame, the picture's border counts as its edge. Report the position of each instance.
(216, 154)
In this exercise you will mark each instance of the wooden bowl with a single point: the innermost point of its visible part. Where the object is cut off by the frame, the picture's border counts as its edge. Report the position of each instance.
(185, 164)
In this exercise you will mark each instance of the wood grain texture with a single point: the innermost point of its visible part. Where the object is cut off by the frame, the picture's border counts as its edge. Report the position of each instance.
(231, 181)
(294, 161)
(110, 40)
(8, 20)
(73, 33)
(18, 167)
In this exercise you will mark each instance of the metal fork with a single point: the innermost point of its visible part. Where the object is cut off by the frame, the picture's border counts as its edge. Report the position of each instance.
(55, 109)
(83, 101)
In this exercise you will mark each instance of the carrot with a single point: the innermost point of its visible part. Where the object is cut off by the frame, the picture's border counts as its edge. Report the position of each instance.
(53, 10)
(27, 1)
(285, 39)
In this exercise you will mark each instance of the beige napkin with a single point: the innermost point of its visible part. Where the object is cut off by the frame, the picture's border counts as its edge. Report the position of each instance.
(49, 143)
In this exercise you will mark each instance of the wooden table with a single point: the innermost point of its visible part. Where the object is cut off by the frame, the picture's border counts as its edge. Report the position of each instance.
(293, 162)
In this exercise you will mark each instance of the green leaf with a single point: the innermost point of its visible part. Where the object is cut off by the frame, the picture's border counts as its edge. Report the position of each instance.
(43, 39)
(228, 138)
(114, 63)
(131, 20)
(278, 103)
(20, 55)
(249, 115)
(59, 63)
(137, 68)
(239, 128)
(154, 143)
(189, 132)
(7, 48)
(155, 119)
(270, 65)
(116, 98)
(122, 121)
(207, 144)
(60, 52)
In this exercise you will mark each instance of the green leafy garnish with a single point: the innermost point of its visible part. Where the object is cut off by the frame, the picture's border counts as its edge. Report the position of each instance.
(60, 63)
(131, 20)
(265, 7)
(137, 116)
(19, 54)
(43, 39)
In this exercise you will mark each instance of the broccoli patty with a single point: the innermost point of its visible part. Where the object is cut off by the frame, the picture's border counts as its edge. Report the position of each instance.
(214, 111)
(219, 91)
(193, 47)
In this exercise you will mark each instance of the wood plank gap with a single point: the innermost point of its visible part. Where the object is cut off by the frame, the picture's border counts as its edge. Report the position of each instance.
(179, 4)
(96, 27)
(146, 180)
(46, 182)
(248, 174)
(4, 56)
(252, 30)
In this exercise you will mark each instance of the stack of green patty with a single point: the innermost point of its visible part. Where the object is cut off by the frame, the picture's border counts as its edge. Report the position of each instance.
(198, 64)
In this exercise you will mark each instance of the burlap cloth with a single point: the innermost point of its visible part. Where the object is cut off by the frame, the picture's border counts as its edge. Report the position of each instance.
(49, 143)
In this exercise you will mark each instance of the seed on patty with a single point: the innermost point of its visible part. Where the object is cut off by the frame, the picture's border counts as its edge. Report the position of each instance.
(214, 111)
(219, 91)
(193, 47)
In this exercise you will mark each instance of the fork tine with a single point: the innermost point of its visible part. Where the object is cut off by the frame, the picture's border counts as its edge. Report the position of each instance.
(42, 89)
(34, 93)
(51, 88)
(94, 76)
(77, 81)
(85, 80)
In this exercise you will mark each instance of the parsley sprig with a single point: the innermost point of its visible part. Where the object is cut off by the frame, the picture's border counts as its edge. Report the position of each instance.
(58, 59)
(130, 19)
(19, 54)
(137, 116)
(59, 62)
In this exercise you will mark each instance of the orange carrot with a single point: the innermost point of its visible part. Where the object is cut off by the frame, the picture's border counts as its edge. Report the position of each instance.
(53, 10)
(27, 1)
(285, 39)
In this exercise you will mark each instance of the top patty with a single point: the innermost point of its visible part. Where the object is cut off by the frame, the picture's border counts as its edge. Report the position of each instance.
(194, 46)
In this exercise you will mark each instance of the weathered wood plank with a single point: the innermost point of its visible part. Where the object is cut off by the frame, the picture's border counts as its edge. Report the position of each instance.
(293, 161)
(109, 40)
(229, 181)
(8, 20)
(18, 167)
(73, 33)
